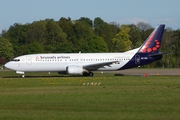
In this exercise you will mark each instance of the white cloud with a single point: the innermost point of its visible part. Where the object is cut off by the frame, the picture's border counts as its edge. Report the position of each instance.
(134, 20)
(168, 21)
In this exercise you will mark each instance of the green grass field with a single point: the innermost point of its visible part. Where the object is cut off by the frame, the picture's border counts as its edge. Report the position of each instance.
(65, 97)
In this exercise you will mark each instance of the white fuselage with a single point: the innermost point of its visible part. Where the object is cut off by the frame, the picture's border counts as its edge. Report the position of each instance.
(59, 62)
(84, 63)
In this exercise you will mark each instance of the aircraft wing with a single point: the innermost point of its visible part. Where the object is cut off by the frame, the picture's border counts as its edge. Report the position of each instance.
(92, 67)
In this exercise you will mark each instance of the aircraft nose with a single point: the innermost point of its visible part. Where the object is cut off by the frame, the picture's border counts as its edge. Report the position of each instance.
(7, 65)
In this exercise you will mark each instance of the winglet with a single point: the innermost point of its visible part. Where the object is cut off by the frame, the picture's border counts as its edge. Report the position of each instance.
(153, 42)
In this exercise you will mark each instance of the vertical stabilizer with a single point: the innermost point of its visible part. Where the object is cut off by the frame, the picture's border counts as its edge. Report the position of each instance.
(153, 43)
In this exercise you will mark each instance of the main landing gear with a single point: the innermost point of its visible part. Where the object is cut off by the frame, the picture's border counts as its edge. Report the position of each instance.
(22, 73)
(91, 74)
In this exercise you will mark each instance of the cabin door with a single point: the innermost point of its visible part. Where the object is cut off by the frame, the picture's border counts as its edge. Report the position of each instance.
(28, 60)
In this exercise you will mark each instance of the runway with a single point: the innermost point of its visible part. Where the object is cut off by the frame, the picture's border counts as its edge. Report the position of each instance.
(142, 71)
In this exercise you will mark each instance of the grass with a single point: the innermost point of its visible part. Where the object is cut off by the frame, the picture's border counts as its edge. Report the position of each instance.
(117, 97)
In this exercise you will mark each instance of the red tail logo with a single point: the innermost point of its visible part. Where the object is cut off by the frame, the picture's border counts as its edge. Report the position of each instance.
(153, 42)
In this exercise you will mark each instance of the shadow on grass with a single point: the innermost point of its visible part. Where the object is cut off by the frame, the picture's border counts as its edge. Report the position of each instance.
(53, 76)
(12, 74)
(118, 74)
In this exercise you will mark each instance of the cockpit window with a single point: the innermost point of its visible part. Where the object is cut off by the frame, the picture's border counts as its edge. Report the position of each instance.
(16, 60)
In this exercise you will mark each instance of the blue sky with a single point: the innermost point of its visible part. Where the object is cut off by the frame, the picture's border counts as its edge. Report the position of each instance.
(153, 12)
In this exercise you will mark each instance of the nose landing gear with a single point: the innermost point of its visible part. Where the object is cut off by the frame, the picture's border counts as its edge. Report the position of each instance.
(23, 76)
(22, 73)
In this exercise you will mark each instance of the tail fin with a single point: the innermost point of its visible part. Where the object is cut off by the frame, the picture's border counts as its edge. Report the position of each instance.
(153, 42)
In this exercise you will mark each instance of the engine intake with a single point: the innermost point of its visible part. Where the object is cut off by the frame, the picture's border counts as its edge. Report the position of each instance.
(74, 70)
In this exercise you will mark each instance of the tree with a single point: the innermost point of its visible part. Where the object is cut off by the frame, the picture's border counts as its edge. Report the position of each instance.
(36, 32)
(83, 34)
(66, 47)
(97, 44)
(142, 26)
(67, 27)
(34, 47)
(143, 29)
(135, 36)
(121, 40)
(176, 46)
(97, 23)
(3, 32)
(6, 49)
(94, 44)
(55, 35)
(106, 31)
(167, 46)
(87, 20)
(83, 30)
(17, 36)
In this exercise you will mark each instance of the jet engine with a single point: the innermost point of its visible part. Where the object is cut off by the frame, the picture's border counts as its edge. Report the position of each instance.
(74, 70)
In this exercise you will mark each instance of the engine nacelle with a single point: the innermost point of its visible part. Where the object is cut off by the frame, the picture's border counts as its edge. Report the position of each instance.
(74, 70)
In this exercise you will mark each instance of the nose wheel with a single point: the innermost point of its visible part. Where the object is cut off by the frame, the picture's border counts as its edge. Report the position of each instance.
(22, 73)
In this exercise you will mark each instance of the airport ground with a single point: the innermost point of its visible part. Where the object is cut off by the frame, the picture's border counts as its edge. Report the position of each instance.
(140, 71)
(128, 95)
(134, 71)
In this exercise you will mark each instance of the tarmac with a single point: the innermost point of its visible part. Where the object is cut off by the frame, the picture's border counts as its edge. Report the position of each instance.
(141, 71)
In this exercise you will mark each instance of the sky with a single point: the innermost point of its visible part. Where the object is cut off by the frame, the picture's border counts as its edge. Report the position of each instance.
(154, 12)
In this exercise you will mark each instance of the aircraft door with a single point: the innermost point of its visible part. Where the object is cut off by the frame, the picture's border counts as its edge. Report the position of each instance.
(137, 59)
(28, 60)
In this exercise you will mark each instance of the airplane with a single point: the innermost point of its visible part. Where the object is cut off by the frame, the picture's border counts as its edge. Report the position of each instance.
(85, 63)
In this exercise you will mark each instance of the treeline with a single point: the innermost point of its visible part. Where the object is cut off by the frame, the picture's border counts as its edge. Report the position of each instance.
(85, 35)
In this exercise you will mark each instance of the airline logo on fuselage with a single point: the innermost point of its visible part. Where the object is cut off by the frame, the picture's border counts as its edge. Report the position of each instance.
(51, 57)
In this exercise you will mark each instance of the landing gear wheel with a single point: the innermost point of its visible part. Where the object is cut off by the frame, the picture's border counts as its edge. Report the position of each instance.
(91, 74)
(85, 74)
(23, 76)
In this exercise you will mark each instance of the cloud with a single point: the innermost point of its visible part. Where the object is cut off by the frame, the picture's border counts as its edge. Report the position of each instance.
(168, 21)
(134, 20)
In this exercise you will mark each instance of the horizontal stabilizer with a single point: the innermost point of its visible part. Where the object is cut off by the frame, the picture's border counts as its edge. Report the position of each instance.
(159, 54)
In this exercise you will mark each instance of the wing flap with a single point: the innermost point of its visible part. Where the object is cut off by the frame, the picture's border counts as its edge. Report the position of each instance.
(92, 67)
